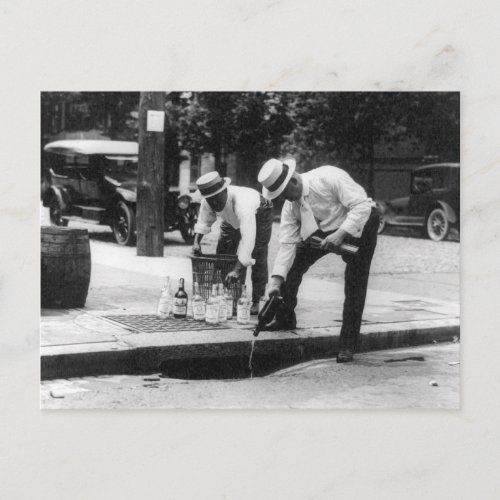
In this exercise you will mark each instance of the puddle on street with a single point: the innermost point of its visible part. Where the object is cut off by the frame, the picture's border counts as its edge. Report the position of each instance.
(410, 358)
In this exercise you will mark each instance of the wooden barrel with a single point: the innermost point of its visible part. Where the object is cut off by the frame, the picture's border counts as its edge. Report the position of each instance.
(65, 263)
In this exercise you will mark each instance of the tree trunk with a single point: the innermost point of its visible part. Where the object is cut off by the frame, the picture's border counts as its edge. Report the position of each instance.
(150, 179)
(172, 160)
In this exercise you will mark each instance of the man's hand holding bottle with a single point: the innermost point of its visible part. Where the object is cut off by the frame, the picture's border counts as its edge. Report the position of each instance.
(234, 275)
(196, 250)
(274, 286)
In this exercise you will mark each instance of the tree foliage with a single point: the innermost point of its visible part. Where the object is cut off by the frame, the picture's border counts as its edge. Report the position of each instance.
(245, 123)
(108, 112)
(350, 123)
(315, 127)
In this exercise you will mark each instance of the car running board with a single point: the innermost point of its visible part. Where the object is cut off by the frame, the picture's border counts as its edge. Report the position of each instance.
(77, 218)
(92, 213)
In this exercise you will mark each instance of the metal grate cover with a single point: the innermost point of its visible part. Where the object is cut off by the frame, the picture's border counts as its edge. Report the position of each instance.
(150, 323)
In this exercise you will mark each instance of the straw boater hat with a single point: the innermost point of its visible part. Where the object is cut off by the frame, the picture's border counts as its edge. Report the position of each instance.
(274, 176)
(211, 184)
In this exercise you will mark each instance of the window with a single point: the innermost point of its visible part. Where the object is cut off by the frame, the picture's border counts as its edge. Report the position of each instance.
(455, 178)
(439, 176)
(426, 180)
(421, 181)
(120, 165)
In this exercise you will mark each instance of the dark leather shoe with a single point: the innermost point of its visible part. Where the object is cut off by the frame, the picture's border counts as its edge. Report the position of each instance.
(254, 309)
(345, 356)
(276, 325)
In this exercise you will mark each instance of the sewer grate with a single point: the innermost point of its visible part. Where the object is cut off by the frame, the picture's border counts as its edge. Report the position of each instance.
(150, 323)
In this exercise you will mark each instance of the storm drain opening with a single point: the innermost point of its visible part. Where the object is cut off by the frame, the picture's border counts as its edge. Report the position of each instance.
(231, 367)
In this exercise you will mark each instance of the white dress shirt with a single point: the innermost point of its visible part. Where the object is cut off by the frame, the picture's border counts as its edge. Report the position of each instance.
(336, 201)
(239, 212)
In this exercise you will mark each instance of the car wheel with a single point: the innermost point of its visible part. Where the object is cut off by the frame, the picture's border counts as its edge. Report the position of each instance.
(437, 225)
(44, 186)
(187, 223)
(123, 224)
(55, 212)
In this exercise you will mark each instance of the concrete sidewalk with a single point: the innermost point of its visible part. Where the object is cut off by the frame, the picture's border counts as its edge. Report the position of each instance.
(102, 339)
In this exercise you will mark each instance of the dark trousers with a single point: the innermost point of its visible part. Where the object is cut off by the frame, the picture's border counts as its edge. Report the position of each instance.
(230, 237)
(356, 280)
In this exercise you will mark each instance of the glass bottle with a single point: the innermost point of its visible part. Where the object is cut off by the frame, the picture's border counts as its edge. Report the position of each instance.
(243, 308)
(229, 303)
(165, 301)
(212, 309)
(222, 304)
(262, 303)
(180, 301)
(199, 306)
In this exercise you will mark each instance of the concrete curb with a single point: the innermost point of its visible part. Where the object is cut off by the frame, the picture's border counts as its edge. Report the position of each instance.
(127, 356)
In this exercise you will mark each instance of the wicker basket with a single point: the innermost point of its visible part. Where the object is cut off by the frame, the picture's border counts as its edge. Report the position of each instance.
(210, 269)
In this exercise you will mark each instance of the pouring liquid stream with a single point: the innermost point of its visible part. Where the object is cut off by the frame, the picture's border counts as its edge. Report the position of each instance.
(250, 359)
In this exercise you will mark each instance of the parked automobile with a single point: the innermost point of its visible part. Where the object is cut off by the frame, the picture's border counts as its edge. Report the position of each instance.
(96, 182)
(433, 204)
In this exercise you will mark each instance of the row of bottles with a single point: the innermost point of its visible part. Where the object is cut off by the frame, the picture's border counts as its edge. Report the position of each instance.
(217, 309)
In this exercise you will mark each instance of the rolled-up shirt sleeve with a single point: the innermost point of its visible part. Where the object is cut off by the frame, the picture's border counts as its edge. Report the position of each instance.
(354, 198)
(248, 230)
(206, 218)
(245, 209)
(289, 237)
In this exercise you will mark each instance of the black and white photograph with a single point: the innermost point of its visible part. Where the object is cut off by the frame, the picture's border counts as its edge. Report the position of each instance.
(249, 250)
(252, 250)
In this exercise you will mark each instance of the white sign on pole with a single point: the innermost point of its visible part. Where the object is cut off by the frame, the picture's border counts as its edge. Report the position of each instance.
(155, 121)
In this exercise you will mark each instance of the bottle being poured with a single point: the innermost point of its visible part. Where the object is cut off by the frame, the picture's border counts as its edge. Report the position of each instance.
(267, 313)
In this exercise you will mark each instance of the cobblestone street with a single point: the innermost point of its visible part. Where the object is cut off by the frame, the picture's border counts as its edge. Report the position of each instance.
(400, 252)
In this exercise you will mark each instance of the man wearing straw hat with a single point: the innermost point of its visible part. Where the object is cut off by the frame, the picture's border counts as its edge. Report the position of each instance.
(247, 219)
(324, 203)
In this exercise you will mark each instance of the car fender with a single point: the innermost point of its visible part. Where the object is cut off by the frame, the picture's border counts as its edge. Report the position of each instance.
(382, 207)
(450, 213)
(385, 210)
(127, 195)
(61, 195)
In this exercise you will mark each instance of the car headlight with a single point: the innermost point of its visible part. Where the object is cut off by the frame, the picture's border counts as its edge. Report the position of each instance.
(183, 202)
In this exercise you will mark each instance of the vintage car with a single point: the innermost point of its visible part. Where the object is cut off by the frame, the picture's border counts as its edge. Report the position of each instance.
(96, 182)
(433, 204)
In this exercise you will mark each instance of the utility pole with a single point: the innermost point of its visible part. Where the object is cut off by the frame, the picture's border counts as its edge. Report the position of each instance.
(150, 178)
